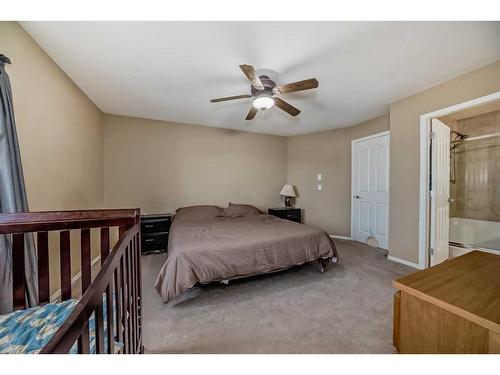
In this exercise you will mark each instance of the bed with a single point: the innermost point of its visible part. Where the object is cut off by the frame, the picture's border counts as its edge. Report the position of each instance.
(210, 243)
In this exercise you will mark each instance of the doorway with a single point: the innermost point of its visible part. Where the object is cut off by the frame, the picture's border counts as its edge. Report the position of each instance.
(456, 174)
(370, 190)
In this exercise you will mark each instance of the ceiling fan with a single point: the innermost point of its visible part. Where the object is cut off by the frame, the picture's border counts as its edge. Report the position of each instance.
(263, 90)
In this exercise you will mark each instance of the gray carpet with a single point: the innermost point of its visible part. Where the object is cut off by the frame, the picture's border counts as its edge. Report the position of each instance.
(347, 309)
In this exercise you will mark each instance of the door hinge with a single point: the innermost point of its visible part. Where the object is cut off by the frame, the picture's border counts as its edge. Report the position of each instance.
(431, 194)
(433, 135)
(432, 251)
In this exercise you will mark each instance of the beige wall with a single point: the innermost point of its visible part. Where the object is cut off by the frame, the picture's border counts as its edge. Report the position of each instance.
(160, 166)
(60, 136)
(59, 128)
(405, 138)
(327, 153)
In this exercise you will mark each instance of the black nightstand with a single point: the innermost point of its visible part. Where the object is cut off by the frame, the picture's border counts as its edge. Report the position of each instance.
(293, 214)
(154, 233)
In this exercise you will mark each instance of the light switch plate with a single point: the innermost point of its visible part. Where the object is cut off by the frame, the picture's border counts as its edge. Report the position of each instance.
(320, 177)
(320, 187)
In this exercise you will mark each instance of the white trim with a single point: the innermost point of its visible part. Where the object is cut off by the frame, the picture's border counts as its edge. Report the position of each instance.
(57, 294)
(350, 196)
(405, 262)
(340, 237)
(424, 162)
(376, 135)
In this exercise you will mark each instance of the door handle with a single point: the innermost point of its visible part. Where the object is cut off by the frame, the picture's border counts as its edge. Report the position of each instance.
(356, 196)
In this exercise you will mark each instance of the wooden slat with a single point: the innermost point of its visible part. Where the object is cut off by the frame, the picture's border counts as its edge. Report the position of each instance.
(129, 299)
(133, 304)
(42, 239)
(109, 305)
(132, 296)
(104, 244)
(124, 304)
(109, 318)
(118, 305)
(109, 308)
(99, 329)
(85, 259)
(139, 286)
(134, 290)
(18, 272)
(84, 341)
(65, 263)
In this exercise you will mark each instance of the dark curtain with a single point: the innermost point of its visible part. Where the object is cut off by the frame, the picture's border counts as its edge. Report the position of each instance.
(12, 197)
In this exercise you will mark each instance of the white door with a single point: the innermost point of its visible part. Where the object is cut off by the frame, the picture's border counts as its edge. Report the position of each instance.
(440, 192)
(370, 189)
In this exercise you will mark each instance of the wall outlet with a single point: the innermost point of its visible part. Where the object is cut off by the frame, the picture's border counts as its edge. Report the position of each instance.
(320, 187)
(320, 177)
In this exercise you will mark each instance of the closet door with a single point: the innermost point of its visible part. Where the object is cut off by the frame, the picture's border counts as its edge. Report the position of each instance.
(370, 189)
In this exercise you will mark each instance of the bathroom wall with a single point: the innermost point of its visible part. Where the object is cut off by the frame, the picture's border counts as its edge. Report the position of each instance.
(477, 188)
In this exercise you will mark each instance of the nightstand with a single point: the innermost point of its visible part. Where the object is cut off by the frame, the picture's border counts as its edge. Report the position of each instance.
(154, 233)
(292, 214)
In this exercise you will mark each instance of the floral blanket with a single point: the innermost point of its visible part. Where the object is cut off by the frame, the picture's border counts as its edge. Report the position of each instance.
(28, 331)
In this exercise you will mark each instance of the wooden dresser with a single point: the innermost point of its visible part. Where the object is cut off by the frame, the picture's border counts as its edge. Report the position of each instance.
(453, 307)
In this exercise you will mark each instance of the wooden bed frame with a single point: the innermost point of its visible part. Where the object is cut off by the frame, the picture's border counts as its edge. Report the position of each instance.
(119, 277)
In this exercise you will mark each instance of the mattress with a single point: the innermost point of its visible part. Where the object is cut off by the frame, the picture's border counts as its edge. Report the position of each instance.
(222, 248)
(28, 331)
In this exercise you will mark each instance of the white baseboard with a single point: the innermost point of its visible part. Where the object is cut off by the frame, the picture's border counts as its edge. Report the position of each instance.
(340, 237)
(57, 294)
(405, 262)
(457, 251)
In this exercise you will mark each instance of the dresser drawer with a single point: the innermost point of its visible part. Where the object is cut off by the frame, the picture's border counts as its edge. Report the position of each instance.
(155, 225)
(291, 215)
(151, 242)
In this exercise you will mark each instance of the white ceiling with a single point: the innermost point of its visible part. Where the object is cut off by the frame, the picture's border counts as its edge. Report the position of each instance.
(170, 70)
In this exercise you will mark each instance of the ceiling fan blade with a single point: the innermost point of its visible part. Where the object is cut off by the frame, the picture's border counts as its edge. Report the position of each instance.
(252, 76)
(251, 114)
(288, 108)
(230, 98)
(306, 84)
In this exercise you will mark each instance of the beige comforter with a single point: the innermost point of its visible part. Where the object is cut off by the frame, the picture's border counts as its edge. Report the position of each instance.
(224, 248)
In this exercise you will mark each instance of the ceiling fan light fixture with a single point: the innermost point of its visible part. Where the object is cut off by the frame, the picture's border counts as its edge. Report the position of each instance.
(263, 102)
(263, 87)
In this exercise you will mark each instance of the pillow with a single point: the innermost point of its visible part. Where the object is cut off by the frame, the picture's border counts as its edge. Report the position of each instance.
(198, 213)
(239, 210)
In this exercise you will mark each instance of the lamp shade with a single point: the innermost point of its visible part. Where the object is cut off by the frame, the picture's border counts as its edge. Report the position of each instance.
(288, 191)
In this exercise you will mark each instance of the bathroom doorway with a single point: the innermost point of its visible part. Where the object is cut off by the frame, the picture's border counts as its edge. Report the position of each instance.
(474, 194)
(460, 180)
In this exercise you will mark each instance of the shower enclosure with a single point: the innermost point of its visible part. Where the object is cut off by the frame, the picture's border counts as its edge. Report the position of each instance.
(475, 183)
